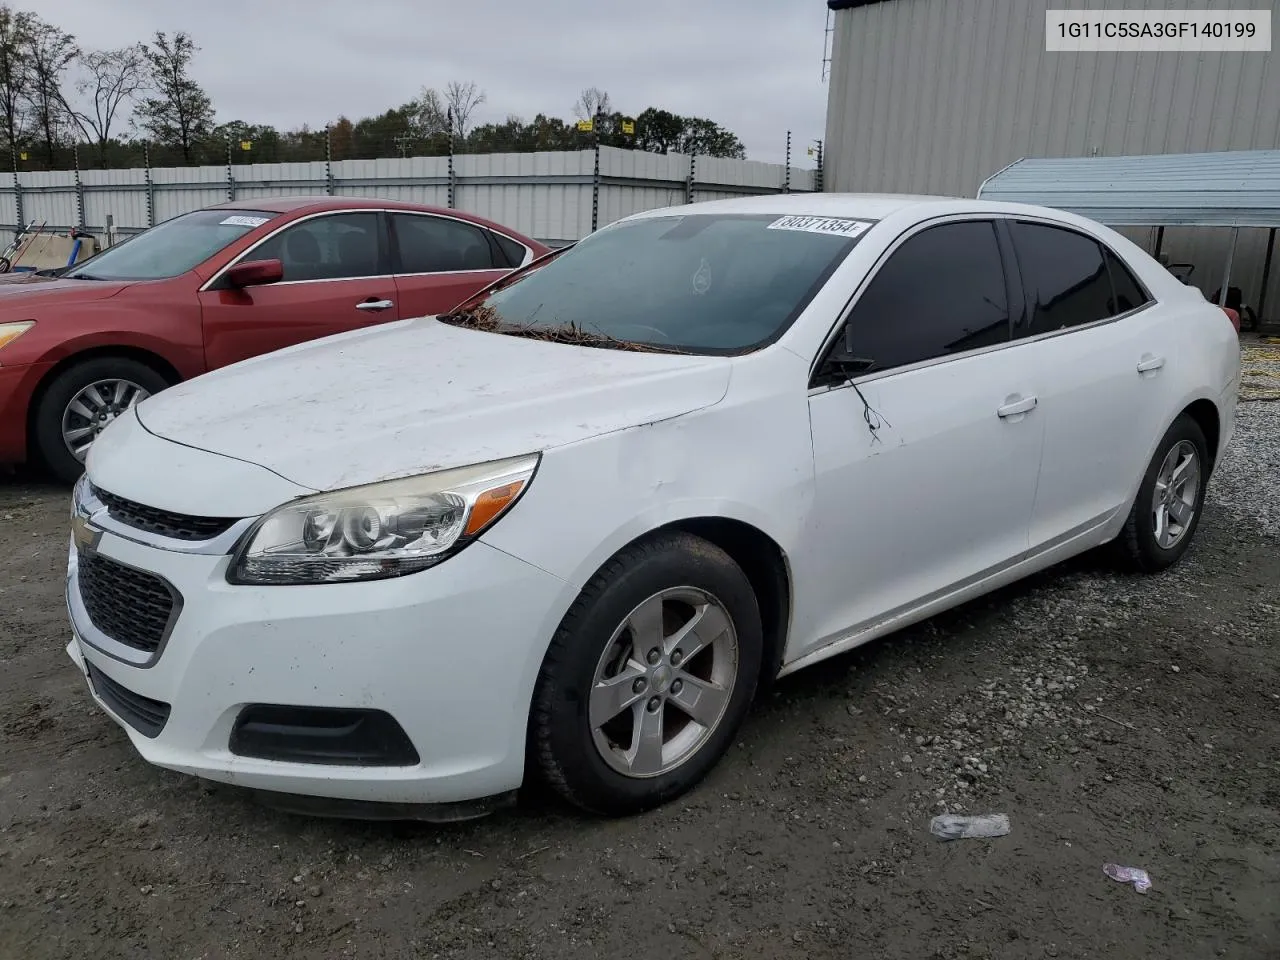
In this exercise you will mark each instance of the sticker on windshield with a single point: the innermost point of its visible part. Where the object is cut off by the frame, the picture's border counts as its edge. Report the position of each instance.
(837, 226)
(240, 220)
(702, 279)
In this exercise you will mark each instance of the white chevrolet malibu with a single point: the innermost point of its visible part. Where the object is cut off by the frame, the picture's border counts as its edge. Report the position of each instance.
(569, 530)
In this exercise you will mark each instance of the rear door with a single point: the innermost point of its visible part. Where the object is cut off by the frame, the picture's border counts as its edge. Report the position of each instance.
(439, 261)
(337, 277)
(1093, 337)
(926, 464)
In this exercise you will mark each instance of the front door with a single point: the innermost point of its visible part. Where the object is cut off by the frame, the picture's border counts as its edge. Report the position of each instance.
(336, 278)
(925, 464)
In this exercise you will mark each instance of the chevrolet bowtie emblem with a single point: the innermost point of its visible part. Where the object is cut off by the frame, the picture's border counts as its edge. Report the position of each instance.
(83, 534)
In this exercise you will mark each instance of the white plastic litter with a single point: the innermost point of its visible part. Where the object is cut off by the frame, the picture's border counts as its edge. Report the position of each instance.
(1140, 879)
(951, 826)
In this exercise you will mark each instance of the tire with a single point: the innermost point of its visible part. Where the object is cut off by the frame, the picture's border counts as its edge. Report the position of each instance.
(67, 386)
(1140, 541)
(569, 749)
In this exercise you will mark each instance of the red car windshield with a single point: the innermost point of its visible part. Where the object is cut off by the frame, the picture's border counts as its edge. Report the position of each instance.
(171, 248)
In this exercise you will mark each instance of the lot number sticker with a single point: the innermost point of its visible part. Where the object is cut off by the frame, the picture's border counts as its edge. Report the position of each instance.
(243, 221)
(832, 225)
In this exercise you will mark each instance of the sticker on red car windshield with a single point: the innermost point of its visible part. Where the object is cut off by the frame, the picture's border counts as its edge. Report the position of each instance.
(838, 226)
(240, 220)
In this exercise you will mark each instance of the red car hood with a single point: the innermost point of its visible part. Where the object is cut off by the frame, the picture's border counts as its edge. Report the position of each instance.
(18, 291)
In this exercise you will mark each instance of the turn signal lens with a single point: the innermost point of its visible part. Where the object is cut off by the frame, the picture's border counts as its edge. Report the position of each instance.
(10, 332)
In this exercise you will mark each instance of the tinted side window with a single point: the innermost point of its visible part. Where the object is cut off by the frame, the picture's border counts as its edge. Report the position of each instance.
(514, 252)
(1129, 294)
(436, 245)
(336, 247)
(1066, 278)
(942, 291)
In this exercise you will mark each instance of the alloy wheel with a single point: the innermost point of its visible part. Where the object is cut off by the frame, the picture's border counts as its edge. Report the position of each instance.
(1177, 490)
(93, 408)
(664, 682)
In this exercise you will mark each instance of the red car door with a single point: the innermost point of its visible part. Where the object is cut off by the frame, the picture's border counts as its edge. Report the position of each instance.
(440, 261)
(336, 278)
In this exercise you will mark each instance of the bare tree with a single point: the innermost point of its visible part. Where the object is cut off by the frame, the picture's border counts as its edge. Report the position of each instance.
(591, 102)
(15, 75)
(433, 116)
(113, 78)
(461, 100)
(180, 113)
(50, 51)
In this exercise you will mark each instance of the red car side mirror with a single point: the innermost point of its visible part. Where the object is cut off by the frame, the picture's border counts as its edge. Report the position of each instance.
(254, 273)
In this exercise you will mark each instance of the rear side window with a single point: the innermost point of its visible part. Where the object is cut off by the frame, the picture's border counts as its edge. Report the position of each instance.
(514, 252)
(1066, 278)
(1129, 294)
(428, 244)
(941, 292)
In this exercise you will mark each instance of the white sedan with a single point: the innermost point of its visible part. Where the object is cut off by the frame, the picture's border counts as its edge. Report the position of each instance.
(569, 530)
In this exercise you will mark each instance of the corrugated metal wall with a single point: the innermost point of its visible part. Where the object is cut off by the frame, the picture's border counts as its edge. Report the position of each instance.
(933, 96)
(543, 195)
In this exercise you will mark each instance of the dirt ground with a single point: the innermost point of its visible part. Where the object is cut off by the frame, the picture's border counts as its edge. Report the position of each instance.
(1112, 718)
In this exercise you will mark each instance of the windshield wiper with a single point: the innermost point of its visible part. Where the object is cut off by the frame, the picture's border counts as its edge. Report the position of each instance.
(81, 276)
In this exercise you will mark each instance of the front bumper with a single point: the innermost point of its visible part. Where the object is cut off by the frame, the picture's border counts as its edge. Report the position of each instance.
(450, 653)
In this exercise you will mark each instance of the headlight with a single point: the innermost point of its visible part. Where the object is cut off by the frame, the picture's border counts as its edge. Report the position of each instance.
(10, 332)
(379, 530)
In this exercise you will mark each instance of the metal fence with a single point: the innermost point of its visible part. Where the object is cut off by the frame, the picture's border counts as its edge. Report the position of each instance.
(551, 196)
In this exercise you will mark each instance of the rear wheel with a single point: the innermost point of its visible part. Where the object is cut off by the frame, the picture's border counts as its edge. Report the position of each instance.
(1166, 513)
(79, 404)
(648, 678)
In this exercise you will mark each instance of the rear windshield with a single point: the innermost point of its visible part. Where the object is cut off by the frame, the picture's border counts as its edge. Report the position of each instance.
(171, 248)
(701, 283)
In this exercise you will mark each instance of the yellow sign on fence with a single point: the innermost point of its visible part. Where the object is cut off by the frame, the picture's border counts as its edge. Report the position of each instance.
(246, 144)
(629, 127)
(586, 126)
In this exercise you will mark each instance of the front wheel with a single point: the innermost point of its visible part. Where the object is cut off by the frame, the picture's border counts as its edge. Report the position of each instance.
(79, 404)
(648, 678)
(1166, 512)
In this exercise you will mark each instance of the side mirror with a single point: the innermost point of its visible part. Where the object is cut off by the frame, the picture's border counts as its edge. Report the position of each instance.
(254, 273)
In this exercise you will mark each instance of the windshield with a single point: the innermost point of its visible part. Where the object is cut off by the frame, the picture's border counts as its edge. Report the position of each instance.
(701, 283)
(171, 248)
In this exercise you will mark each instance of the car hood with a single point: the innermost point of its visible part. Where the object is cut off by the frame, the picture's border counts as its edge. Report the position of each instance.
(27, 291)
(419, 395)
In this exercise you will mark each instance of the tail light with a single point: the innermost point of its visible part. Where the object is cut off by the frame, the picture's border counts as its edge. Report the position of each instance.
(1233, 316)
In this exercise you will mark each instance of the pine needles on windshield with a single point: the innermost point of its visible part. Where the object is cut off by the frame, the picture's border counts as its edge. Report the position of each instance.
(484, 317)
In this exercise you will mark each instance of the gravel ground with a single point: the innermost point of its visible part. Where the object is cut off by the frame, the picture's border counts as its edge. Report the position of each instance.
(1133, 720)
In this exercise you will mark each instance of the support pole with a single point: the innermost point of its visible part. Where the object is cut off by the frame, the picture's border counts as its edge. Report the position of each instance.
(1266, 273)
(17, 190)
(786, 180)
(1226, 273)
(1159, 243)
(151, 184)
(231, 177)
(75, 155)
(328, 161)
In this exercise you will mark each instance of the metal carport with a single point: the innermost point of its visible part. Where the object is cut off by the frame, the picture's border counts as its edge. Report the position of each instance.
(1235, 189)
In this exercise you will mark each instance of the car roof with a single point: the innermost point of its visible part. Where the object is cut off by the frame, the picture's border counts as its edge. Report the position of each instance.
(321, 203)
(862, 206)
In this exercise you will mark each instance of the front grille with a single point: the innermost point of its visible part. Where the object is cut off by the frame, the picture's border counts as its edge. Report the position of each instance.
(178, 526)
(130, 606)
(145, 715)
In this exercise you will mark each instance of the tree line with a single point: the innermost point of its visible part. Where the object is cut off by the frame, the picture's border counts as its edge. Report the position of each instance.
(63, 103)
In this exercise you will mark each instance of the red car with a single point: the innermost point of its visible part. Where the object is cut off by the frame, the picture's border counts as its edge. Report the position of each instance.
(218, 285)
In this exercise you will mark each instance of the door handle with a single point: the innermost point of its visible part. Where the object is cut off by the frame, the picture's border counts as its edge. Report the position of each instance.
(375, 305)
(1149, 363)
(1015, 408)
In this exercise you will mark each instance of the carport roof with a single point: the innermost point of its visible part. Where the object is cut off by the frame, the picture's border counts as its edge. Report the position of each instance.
(1235, 189)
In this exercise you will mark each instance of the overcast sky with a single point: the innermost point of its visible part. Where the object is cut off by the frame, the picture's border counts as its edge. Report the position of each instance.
(752, 65)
